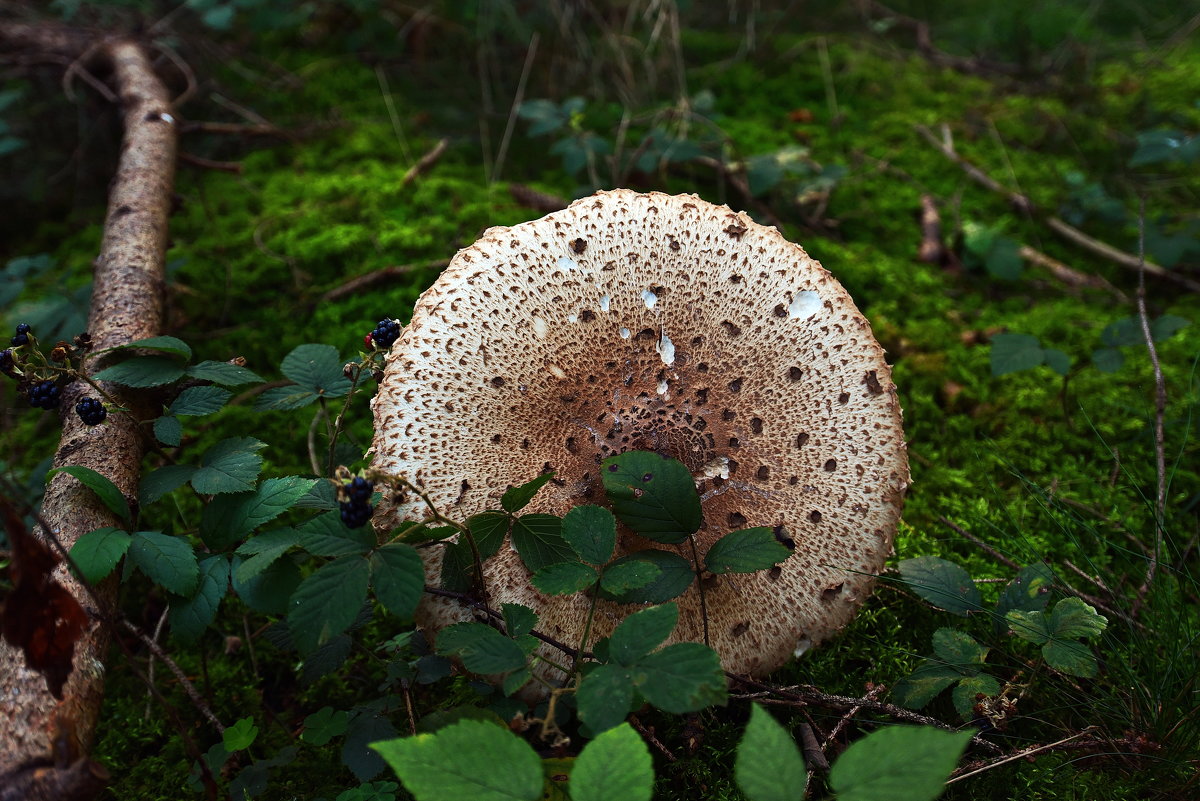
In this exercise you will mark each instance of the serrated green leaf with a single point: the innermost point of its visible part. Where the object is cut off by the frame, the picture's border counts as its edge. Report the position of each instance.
(653, 495)
(269, 591)
(317, 368)
(921, 686)
(1124, 332)
(230, 517)
(518, 619)
(769, 766)
(957, 648)
(898, 763)
(565, 578)
(326, 535)
(199, 400)
(616, 766)
(675, 576)
(488, 529)
(604, 697)
(1028, 592)
(684, 677)
(1166, 326)
(326, 659)
(365, 728)
(539, 541)
(1071, 656)
(176, 347)
(622, 578)
(966, 694)
(323, 725)
(327, 602)
(286, 398)
(941, 583)
(229, 466)
(263, 550)
(481, 648)
(1003, 259)
(104, 489)
(517, 498)
(1057, 361)
(591, 531)
(162, 481)
(223, 373)
(97, 552)
(241, 734)
(142, 371)
(1108, 360)
(398, 576)
(641, 633)
(1071, 618)
(446, 765)
(745, 551)
(166, 560)
(458, 566)
(168, 430)
(516, 680)
(189, 617)
(1013, 352)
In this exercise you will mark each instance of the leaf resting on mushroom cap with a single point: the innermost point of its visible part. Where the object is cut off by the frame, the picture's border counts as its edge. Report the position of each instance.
(649, 322)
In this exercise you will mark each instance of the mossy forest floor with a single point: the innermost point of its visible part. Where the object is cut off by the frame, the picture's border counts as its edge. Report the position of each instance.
(1038, 465)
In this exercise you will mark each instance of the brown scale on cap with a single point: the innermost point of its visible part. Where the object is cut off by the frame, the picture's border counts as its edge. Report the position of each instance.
(647, 321)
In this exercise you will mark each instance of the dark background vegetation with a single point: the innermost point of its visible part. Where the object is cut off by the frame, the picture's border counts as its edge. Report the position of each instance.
(806, 115)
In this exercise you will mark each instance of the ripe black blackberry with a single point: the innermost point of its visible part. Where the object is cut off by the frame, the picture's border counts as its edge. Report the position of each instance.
(7, 363)
(356, 511)
(22, 337)
(385, 333)
(91, 411)
(43, 395)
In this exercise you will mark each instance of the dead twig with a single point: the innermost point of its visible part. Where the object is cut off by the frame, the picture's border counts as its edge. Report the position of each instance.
(1068, 275)
(538, 201)
(77, 67)
(209, 164)
(989, 550)
(233, 129)
(931, 251)
(810, 696)
(358, 283)
(1160, 406)
(925, 46)
(974, 770)
(648, 734)
(426, 162)
(518, 98)
(1026, 206)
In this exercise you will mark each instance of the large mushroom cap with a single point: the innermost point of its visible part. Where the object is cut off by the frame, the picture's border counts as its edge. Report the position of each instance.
(665, 323)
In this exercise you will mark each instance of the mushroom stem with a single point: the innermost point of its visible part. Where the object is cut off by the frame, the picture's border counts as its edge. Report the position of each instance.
(699, 585)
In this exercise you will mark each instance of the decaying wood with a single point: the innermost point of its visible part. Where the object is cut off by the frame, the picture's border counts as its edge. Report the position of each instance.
(127, 304)
(1023, 204)
(931, 251)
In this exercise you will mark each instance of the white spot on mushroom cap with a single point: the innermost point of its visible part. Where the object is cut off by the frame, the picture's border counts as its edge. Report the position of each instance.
(805, 303)
(605, 302)
(649, 298)
(666, 349)
(567, 263)
(624, 333)
(556, 371)
(572, 318)
(540, 327)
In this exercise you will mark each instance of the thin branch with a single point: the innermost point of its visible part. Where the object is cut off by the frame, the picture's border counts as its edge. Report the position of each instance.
(992, 552)
(1022, 754)
(426, 162)
(1160, 405)
(209, 164)
(361, 282)
(1026, 206)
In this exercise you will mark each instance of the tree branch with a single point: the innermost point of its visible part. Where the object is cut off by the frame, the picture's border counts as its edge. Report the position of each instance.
(127, 304)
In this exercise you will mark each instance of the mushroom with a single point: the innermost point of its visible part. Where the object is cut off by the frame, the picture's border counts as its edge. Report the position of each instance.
(653, 322)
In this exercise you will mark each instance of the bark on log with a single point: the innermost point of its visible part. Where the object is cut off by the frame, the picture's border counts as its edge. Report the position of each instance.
(127, 305)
